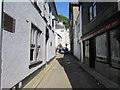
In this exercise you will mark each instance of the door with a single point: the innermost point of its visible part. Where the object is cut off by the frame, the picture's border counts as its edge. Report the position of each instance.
(92, 53)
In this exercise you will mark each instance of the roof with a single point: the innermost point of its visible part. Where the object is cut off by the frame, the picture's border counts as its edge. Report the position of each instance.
(74, 2)
(60, 27)
(53, 6)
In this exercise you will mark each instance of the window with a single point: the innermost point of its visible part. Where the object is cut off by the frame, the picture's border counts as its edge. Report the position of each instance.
(101, 48)
(34, 44)
(86, 49)
(115, 47)
(50, 43)
(62, 30)
(50, 10)
(36, 5)
(92, 11)
(47, 35)
(44, 7)
(36, 2)
(9, 23)
(52, 23)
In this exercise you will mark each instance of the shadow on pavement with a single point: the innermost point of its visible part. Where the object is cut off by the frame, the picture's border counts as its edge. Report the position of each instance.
(76, 75)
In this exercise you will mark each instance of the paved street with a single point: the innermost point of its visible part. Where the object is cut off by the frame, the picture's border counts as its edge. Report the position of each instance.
(63, 72)
(77, 76)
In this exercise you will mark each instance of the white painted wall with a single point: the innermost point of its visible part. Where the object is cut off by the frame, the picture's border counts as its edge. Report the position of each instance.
(58, 40)
(51, 49)
(78, 44)
(16, 46)
(65, 37)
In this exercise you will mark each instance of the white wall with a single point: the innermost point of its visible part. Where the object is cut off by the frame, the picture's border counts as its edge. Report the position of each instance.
(58, 40)
(51, 49)
(65, 37)
(16, 46)
(78, 44)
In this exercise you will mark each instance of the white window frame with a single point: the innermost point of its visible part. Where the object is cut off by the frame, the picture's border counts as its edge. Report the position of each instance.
(35, 44)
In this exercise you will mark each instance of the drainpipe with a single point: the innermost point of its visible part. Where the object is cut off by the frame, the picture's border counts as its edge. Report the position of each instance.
(1, 15)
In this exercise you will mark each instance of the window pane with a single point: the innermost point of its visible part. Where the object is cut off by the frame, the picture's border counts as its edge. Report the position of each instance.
(90, 13)
(101, 48)
(94, 11)
(115, 47)
(86, 49)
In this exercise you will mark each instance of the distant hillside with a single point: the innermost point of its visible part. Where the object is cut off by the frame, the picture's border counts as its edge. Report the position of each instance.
(63, 19)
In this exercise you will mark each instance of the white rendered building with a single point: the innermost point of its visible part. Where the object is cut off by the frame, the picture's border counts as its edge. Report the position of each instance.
(27, 40)
(62, 36)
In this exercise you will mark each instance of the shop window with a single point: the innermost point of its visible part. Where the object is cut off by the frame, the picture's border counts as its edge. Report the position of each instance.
(115, 47)
(101, 48)
(9, 23)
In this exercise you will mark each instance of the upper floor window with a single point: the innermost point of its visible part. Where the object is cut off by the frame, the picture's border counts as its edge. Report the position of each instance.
(50, 10)
(36, 5)
(52, 23)
(92, 11)
(36, 2)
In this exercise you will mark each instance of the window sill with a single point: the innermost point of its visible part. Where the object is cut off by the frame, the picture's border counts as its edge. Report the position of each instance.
(34, 64)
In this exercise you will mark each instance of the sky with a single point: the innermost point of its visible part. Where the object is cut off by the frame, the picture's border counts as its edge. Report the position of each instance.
(63, 6)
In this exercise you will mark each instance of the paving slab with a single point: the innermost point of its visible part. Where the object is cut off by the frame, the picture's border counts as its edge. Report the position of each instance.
(56, 78)
(52, 76)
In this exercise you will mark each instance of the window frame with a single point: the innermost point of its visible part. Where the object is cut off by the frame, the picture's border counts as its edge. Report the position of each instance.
(104, 58)
(112, 64)
(91, 7)
(35, 46)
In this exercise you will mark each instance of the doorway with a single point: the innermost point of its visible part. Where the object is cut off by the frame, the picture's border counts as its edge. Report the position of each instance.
(92, 53)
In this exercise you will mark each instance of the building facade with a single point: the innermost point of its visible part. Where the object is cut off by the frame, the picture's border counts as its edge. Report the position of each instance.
(100, 35)
(27, 40)
(62, 35)
(73, 14)
(78, 44)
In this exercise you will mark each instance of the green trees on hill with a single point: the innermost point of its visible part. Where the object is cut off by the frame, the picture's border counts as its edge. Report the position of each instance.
(64, 20)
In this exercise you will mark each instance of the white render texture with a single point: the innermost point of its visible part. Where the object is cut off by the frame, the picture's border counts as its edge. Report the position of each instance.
(64, 36)
(16, 46)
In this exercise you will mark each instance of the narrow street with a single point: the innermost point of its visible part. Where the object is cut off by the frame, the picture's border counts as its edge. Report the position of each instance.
(64, 72)
(59, 44)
